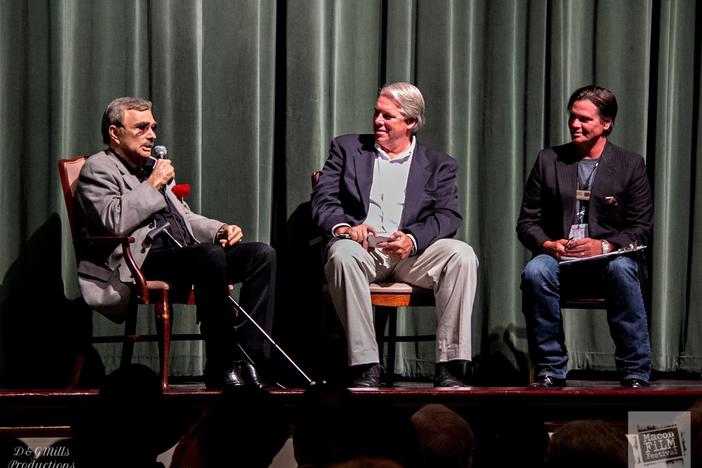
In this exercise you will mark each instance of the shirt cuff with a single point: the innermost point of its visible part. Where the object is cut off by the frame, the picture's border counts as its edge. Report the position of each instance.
(414, 245)
(333, 229)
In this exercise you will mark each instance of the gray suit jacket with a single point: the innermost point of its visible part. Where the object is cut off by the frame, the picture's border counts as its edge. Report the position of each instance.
(431, 196)
(111, 201)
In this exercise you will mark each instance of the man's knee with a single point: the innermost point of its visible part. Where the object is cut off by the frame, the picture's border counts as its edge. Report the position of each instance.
(211, 255)
(343, 255)
(539, 270)
(264, 253)
(622, 267)
(461, 254)
(467, 255)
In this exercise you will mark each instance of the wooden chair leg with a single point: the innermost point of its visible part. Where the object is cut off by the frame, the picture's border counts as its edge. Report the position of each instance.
(76, 368)
(383, 315)
(381, 319)
(162, 310)
(392, 341)
(129, 332)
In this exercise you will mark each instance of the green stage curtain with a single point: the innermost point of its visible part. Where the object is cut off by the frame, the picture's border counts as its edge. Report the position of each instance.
(249, 93)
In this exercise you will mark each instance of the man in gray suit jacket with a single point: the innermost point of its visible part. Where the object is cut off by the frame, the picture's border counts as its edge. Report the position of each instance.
(582, 199)
(124, 191)
(386, 188)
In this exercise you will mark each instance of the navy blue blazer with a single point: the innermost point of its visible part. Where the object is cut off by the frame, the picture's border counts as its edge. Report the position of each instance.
(431, 197)
(620, 208)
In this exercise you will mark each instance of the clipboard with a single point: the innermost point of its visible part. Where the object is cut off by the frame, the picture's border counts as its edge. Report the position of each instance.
(623, 251)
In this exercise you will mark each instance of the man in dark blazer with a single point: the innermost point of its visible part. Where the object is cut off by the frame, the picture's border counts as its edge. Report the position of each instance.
(124, 191)
(389, 207)
(586, 198)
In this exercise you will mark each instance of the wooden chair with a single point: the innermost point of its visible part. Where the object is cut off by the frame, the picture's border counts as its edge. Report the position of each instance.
(386, 298)
(145, 292)
(576, 295)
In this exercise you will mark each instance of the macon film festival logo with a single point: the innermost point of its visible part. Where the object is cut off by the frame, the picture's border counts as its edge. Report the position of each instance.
(40, 457)
(659, 439)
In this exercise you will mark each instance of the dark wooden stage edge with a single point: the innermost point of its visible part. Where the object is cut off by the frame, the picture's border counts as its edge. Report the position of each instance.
(48, 412)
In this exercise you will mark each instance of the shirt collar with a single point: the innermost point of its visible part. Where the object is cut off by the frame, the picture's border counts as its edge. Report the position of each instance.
(141, 172)
(401, 158)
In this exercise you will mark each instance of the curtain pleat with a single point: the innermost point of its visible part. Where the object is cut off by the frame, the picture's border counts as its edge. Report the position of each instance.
(249, 93)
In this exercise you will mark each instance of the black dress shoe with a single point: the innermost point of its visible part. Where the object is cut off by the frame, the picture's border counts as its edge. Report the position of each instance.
(547, 381)
(633, 382)
(229, 378)
(249, 374)
(369, 376)
(447, 374)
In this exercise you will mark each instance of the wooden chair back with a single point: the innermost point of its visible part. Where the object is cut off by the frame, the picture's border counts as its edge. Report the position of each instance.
(69, 170)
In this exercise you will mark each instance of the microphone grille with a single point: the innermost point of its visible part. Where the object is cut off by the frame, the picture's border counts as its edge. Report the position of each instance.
(160, 151)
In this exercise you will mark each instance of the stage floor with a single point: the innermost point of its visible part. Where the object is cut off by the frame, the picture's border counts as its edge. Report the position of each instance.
(48, 412)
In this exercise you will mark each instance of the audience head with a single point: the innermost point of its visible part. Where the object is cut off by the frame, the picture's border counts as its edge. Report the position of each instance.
(334, 427)
(509, 435)
(367, 462)
(696, 430)
(445, 438)
(129, 422)
(588, 443)
(245, 425)
(320, 425)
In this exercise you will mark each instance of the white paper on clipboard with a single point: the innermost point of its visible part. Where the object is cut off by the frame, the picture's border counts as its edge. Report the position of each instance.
(622, 251)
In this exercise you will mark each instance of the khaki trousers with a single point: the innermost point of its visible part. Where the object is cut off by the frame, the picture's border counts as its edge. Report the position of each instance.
(448, 267)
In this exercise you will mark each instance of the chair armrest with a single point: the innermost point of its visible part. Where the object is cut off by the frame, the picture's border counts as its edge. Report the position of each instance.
(107, 239)
(141, 289)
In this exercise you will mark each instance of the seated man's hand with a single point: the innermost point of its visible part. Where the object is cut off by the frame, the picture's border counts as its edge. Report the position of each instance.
(229, 234)
(583, 248)
(399, 246)
(555, 248)
(162, 173)
(356, 233)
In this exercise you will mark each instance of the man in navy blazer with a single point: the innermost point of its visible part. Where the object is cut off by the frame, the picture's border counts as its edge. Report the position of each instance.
(389, 207)
(586, 198)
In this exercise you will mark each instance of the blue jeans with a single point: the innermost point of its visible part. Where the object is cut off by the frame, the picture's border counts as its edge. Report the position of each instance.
(626, 315)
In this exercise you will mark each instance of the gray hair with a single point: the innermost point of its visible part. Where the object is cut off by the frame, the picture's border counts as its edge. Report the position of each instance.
(115, 112)
(410, 102)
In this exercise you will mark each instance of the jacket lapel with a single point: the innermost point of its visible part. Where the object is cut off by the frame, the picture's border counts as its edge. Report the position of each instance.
(130, 180)
(416, 181)
(364, 174)
(606, 171)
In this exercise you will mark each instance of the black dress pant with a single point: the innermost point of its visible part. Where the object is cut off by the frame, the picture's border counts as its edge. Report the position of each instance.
(211, 268)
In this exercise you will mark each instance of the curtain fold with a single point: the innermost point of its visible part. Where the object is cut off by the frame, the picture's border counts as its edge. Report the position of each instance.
(249, 93)
(674, 153)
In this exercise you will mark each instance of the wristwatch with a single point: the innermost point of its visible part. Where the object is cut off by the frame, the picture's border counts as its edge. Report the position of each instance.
(605, 247)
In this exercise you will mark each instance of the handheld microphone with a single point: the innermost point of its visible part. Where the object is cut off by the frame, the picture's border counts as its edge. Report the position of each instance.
(160, 152)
